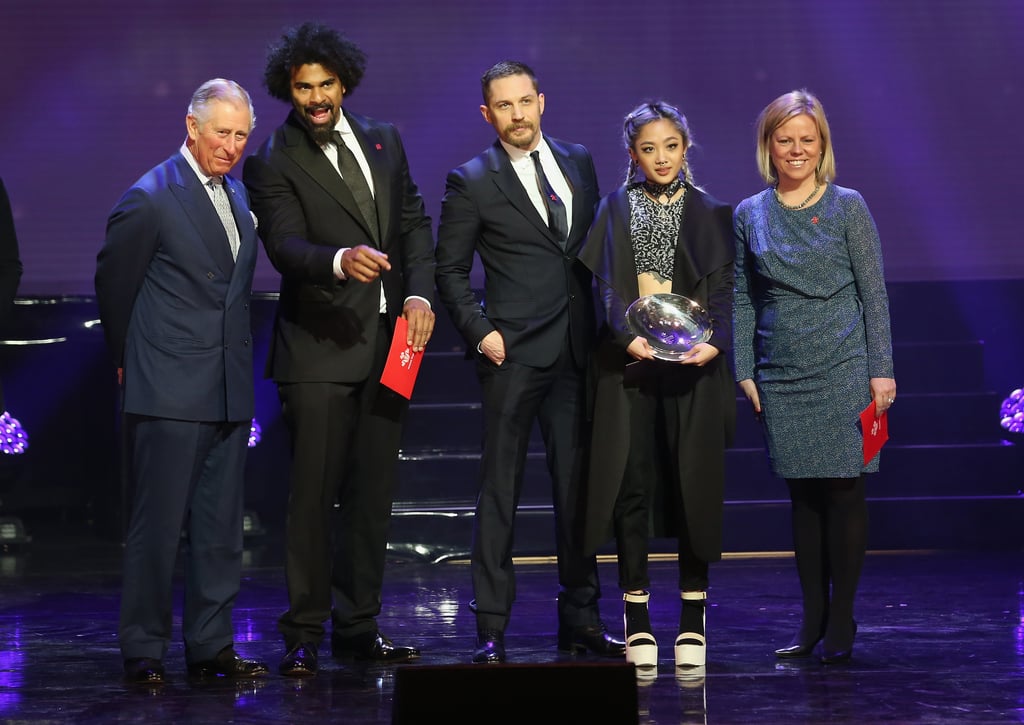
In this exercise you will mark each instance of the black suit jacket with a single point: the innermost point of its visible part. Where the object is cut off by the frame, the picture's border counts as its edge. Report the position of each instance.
(325, 328)
(535, 292)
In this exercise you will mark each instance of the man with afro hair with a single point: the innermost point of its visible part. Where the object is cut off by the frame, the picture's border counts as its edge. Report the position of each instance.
(345, 226)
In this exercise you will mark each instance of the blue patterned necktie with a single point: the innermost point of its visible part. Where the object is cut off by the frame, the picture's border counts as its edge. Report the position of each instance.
(223, 206)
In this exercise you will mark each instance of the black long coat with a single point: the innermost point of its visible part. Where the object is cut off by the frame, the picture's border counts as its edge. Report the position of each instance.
(705, 396)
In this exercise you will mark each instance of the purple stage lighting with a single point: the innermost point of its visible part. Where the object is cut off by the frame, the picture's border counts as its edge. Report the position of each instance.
(255, 432)
(13, 438)
(1011, 413)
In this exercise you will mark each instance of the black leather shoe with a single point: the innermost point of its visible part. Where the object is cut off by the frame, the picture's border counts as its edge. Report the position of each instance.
(228, 664)
(594, 637)
(374, 646)
(299, 661)
(795, 650)
(144, 671)
(490, 647)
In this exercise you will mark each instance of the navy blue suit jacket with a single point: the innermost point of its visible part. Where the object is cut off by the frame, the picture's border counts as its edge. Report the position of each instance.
(174, 305)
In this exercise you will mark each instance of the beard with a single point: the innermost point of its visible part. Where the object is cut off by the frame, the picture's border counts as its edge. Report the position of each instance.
(321, 132)
(520, 142)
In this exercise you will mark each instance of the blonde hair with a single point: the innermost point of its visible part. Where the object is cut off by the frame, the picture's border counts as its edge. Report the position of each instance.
(776, 113)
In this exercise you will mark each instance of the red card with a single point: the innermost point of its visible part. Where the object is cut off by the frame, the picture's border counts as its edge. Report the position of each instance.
(875, 430)
(402, 364)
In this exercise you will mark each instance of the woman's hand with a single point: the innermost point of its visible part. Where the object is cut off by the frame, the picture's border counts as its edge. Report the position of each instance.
(700, 354)
(883, 392)
(640, 349)
(750, 390)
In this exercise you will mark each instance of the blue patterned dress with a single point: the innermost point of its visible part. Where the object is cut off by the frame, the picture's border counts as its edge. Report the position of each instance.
(811, 327)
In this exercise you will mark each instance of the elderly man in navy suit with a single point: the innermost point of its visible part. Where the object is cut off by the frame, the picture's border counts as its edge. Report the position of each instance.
(173, 282)
(524, 206)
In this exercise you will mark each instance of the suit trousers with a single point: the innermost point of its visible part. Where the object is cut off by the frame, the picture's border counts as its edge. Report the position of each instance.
(185, 476)
(345, 440)
(514, 397)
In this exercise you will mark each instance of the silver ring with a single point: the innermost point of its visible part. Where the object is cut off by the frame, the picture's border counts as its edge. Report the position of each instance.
(892, 400)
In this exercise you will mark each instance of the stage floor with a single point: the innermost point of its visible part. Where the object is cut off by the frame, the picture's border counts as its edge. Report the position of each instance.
(941, 640)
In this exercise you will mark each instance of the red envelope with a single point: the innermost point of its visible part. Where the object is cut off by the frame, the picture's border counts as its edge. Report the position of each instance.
(875, 430)
(402, 364)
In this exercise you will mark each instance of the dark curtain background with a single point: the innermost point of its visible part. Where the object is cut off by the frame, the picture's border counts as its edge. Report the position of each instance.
(924, 98)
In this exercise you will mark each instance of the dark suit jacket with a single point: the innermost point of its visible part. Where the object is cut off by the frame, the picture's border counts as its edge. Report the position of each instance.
(10, 262)
(325, 328)
(535, 293)
(174, 305)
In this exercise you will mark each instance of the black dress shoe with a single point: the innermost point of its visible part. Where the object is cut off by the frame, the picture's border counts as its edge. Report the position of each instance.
(490, 647)
(144, 671)
(299, 661)
(795, 650)
(228, 664)
(594, 637)
(374, 646)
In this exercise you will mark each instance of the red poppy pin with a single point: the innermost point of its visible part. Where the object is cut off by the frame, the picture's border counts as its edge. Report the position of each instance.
(814, 220)
(379, 147)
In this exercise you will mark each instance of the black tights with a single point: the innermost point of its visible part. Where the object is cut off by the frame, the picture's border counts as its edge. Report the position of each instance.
(830, 524)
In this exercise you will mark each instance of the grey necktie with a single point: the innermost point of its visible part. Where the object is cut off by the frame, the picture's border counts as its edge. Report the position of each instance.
(356, 181)
(557, 219)
(223, 206)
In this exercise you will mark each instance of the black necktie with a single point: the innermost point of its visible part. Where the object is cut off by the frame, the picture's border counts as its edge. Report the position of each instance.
(557, 220)
(353, 176)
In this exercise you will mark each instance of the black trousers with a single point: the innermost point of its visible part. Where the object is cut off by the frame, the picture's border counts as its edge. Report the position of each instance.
(514, 397)
(345, 441)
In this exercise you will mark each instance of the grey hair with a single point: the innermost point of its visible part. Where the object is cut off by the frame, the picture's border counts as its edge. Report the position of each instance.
(219, 89)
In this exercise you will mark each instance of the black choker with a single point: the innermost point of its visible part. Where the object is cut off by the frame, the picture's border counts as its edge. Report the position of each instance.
(663, 192)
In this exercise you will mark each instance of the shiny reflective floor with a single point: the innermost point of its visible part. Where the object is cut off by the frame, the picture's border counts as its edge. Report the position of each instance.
(941, 640)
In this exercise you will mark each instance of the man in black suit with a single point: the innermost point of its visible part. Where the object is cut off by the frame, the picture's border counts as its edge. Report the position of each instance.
(524, 206)
(173, 283)
(344, 224)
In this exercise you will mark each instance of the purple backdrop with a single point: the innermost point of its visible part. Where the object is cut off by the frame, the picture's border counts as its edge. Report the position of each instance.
(924, 98)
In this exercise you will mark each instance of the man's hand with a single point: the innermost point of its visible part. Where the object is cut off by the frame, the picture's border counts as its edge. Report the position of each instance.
(363, 263)
(421, 323)
(493, 347)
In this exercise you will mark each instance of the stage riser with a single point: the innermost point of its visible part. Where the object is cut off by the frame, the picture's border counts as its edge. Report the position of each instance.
(893, 524)
(958, 352)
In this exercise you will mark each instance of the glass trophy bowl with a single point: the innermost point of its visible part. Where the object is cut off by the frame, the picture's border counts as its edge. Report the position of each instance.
(671, 324)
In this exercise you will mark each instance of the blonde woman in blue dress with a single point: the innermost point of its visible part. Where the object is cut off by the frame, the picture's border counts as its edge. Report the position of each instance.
(812, 350)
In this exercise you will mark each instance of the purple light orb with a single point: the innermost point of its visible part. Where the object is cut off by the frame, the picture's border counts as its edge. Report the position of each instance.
(1011, 412)
(255, 433)
(13, 438)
